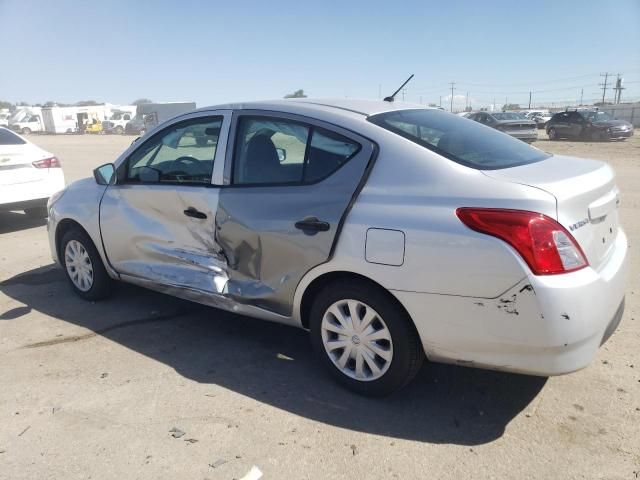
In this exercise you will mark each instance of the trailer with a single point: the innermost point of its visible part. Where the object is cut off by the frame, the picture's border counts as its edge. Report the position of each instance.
(60, 119)
(149, 115)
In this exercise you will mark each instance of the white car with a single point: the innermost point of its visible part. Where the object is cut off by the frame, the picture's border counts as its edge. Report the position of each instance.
(29, 175)
(390, 231)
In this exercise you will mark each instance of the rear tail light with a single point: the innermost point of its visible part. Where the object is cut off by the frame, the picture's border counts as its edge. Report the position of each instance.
(546, 246)
(51, 162)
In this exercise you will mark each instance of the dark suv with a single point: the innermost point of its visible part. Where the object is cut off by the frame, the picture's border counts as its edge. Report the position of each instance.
(587, 125)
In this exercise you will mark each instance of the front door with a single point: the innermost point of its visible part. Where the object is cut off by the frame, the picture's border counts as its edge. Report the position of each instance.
(289, 182)
(157, 222)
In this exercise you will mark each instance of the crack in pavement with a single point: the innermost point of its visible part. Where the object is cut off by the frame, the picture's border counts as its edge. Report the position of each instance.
(102, 331)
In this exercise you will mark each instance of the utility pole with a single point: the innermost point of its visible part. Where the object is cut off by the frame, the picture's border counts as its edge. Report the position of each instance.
(618, 88)
(604, 85)
(452, 89)
(440, 104)
(494, 104)
(581, 95)
(466, 102)
(529, 99)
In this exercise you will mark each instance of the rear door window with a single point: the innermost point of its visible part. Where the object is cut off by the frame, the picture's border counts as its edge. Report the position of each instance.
(9, 138)
(468, 143)
(271, 151)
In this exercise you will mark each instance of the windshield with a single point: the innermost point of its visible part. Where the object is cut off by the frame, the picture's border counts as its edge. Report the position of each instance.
(456, 138)
(596, 116)
(508, 116)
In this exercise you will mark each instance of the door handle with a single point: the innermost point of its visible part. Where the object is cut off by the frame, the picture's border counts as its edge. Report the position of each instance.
(192, 212)
(312, 225)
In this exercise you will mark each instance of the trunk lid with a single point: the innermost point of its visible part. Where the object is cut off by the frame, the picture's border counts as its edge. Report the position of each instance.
(586, 195)
(16, 164)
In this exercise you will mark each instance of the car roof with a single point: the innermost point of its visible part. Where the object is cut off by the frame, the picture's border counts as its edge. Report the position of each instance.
(305, 105)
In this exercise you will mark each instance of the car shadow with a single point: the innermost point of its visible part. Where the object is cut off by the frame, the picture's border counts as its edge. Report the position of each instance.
(274, 364)
(16, 221)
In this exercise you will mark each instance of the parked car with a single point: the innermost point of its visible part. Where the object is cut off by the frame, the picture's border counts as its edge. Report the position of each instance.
(29, 124)
(510, 123)
(4, 119)
(29, 175)
(587, 125)
(391, 232)
(540, 119)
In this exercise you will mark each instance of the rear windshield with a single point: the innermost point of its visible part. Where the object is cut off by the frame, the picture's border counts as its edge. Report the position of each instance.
(10, 138)
(459, 139)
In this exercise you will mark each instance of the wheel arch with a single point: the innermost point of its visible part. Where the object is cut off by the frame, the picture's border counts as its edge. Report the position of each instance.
(322, 280)
(62, 228)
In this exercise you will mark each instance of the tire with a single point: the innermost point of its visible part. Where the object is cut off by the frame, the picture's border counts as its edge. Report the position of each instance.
(553, 135)
(119, 130)
(36, 212)
(98, 284)
(396, 338)
(26, 131)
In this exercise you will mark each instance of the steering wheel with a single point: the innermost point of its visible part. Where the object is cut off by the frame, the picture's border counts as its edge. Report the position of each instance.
(180, 167)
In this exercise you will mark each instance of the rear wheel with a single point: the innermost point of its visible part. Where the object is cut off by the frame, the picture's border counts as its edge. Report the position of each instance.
(553, 134)
(119, 130)
(365, 339)
(26, 131)
(83, 266)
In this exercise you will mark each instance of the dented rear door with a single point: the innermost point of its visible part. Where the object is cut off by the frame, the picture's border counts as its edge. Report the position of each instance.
(273, 229)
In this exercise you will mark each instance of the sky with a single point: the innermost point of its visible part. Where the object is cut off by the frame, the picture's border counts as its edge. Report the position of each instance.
(215, 52)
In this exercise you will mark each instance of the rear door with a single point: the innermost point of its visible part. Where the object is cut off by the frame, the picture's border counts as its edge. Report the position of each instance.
(157, 222)
(289, 182)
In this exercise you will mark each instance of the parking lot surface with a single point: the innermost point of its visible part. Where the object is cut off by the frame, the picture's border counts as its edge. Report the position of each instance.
(147, 386)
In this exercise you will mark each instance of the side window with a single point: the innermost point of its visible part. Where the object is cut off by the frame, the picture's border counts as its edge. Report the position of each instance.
(126, 117)
(181, 153)
(269, 151)
(274, 151)
(327, 153)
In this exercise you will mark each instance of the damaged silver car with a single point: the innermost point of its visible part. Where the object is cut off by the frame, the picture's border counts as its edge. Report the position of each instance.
(390, 231)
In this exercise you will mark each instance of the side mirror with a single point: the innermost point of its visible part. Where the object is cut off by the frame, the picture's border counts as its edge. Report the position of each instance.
(105, 174)
(282, 154)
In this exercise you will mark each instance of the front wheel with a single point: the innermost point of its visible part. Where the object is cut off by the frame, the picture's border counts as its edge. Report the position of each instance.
(26, 131)
(119, 130)
(365, 339)
(553, 134)
(83, 266)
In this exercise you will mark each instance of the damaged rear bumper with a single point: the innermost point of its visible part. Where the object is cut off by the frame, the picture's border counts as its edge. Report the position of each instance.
(545, 325)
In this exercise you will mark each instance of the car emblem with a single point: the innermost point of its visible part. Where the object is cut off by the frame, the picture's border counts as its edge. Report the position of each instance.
(4, 160)
(579, 224)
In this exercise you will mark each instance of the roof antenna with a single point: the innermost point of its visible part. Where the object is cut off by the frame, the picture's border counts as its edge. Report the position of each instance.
(392, 97)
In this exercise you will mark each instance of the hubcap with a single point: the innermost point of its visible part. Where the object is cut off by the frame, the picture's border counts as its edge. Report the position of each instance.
(79, 267)
(357, 340)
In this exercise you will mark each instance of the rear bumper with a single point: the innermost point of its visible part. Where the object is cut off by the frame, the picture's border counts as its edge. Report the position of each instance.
(35, 203)
(16, 196)
(545, 325)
